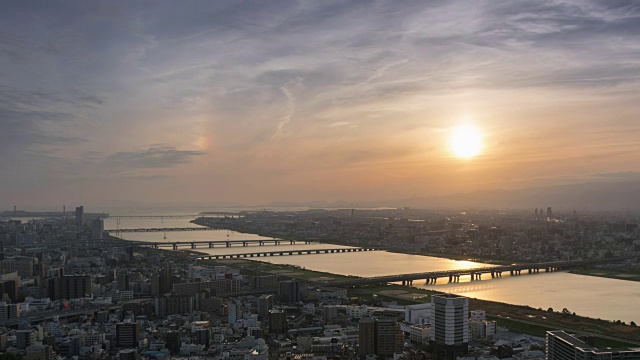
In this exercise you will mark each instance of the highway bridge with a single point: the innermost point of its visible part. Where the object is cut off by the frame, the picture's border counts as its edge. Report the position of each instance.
(473, 273)
(216, 243)
(283, 253)
(145, 230)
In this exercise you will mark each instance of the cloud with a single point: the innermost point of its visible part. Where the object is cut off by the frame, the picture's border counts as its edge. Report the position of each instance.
(156, 156)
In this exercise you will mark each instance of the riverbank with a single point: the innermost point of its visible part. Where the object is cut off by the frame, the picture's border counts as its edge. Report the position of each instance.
(608, 273)
(523, 319)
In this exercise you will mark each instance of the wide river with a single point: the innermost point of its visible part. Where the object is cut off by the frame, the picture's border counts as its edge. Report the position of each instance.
(585, 295)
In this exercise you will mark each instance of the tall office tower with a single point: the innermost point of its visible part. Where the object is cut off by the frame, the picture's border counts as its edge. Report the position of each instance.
(277, 321)
(563, 346)
(289, 291)
(549, 212)
(450, 335)
(367, 336)
(122, 278)
(97, 229)
(127, 335)
(166, 280)
(536, 211)
(380, 336)
(79, 215)
(389, 337)
(265, 303)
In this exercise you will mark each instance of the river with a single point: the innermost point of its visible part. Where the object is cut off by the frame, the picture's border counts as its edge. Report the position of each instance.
(590, 296)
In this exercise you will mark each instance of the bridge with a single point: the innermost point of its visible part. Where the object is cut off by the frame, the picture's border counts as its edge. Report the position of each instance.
(143, 230)
(180, 216)
(98, 243)
(177, 216)
(283, 253)
(473, 273)
(213, 243)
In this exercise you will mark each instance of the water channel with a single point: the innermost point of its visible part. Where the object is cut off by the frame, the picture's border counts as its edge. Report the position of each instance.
(590, 296)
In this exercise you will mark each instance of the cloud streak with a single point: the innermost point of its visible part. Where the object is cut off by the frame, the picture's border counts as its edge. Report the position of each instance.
(270, 98)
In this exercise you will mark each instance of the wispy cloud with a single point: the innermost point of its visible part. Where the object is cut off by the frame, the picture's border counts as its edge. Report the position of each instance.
(245, 89)
(157, 156)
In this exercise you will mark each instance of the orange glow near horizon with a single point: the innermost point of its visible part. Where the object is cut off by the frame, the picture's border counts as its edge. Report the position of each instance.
(466, 141)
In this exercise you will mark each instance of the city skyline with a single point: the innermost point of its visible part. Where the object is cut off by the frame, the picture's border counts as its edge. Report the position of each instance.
(120, 103)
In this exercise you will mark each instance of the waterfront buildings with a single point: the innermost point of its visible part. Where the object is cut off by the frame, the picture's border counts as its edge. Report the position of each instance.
(563, 346)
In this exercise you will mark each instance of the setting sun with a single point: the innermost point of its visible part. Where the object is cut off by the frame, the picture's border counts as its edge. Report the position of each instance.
(466, 141)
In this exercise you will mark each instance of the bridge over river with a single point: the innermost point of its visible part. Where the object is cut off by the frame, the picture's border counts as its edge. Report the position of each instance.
(474, 273)
(283, 253)
(144, 230)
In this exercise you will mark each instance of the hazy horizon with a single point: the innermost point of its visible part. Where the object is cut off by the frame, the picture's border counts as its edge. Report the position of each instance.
(254, 102)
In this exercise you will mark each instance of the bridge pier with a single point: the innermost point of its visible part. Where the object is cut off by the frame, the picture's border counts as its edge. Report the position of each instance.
(175, 247)
(228, 244)
(210, 245)
(193, 245)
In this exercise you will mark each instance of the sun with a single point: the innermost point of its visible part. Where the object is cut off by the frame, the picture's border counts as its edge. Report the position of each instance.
(466, 141)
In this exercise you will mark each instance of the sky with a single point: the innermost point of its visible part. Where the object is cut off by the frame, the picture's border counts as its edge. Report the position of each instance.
(148, 102)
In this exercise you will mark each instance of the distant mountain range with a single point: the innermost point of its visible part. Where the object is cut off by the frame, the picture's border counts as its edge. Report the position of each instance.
(614, 195)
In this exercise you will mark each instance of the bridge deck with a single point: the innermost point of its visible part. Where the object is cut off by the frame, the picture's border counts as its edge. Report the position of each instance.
(283, 253)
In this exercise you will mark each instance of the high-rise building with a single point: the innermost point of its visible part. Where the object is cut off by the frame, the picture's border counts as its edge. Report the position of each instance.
(389, 337)
(380, 336)
(366, 336)
(97, 229)
(549, 212)
(277, 321)
(68, 287)
(127, 335)
(203, 337)
(25, 338)
(162, 282)
(450, 335)
(9, 289)
(265, 303)
(289, 291)
(79, 215)
(563, 346)
(232, 314)
(122, 277)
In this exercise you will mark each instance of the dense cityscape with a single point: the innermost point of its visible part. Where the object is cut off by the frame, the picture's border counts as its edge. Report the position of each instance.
(71, 290)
